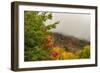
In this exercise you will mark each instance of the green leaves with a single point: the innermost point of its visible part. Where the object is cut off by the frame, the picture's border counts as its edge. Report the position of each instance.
(52, 25)
(35, 32)
(39, 53)
(85, 52)
(36, 53)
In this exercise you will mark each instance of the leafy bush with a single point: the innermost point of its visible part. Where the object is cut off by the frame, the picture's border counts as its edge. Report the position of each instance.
(85, 53)
(36, 32)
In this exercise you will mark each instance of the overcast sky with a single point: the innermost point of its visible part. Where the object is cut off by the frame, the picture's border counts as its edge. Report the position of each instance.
(77, 25)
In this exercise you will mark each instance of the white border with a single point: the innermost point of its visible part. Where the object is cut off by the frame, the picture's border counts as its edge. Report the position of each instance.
(23, 64)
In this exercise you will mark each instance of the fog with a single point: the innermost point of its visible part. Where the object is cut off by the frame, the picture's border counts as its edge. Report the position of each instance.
(77, 25)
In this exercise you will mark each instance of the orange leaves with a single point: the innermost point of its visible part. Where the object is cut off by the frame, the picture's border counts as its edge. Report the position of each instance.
(49, 42)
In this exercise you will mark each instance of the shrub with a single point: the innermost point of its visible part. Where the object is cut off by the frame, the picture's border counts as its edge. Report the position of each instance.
(85, 53)
(35, 32)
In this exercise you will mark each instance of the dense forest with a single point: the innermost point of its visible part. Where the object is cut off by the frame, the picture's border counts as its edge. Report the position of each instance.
(41, 44)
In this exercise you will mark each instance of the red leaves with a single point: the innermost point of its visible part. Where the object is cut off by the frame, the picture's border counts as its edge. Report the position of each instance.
(55, 54)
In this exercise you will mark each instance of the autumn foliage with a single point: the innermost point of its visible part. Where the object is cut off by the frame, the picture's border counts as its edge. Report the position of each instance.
(40, 44)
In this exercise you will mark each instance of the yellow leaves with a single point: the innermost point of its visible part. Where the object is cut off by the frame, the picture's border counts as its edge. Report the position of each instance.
(56, 53)
(57, 49)
(67, 55)
(60, 54)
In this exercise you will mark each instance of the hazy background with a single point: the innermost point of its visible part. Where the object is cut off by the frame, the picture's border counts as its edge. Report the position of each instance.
(77, 25)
